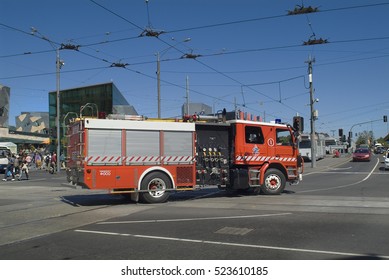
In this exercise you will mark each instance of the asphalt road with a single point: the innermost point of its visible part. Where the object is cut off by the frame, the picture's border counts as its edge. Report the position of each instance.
(339, 211)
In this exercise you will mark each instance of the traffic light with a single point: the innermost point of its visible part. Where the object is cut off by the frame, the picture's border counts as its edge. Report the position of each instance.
(340, 132)
(298, 123)
(385, 118)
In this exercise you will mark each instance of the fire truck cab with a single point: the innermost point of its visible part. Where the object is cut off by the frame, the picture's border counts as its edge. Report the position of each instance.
(149, 159)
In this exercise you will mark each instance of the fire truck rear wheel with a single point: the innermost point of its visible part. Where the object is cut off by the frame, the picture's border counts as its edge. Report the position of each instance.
(274, 182)
(156, 184)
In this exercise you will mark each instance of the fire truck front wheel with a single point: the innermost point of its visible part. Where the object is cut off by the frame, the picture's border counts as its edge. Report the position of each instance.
(155, 184)
(274, 182)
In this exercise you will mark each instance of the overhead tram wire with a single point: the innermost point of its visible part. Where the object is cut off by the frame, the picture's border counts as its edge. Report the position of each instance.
(174, 47)
(26, 53)
(192, 56)
(230, 78)
(219, 54)
(138, 72)
(224, 24)
(192, 90)
(271, 17)
(53, 73)
(216, 25)
(200, 27)
(116, 14)
(354, 7)
(200, 62)
(227, 76)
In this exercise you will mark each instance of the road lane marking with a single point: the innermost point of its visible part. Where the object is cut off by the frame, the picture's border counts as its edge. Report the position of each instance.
(341, 168)
(371, 172)
(300, 250)
(349, 173)
(194, 219)
(347, 185)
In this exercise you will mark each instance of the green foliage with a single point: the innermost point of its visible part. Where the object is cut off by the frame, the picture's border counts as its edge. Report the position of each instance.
(365, 137)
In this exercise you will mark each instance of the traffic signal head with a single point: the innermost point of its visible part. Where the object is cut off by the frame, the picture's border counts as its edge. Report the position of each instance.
(340, 132)
(385, 118)
(298, 123)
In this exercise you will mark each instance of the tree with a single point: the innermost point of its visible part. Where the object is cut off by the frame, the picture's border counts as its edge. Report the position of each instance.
(365, 137)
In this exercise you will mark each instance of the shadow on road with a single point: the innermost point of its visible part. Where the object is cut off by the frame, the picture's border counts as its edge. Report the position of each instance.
(363, 257)
(117, 199)
(94, 200)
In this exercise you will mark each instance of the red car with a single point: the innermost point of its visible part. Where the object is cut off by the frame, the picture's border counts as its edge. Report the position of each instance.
(362, 154)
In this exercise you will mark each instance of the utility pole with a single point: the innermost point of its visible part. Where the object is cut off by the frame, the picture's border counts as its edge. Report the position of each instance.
(58, 123)
(312, 101)
(59, 63)
(187, 95)
(159, 84)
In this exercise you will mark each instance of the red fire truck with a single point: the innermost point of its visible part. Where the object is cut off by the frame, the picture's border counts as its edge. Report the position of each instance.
(148, 159)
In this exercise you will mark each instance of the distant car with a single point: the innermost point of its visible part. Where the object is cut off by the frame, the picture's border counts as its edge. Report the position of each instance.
(379, 150)
(362, 154)
(386, 156)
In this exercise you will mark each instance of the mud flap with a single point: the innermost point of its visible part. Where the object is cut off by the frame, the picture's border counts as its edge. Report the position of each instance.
(135, 196)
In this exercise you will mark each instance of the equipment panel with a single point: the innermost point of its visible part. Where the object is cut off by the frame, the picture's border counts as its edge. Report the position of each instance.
(212, 154)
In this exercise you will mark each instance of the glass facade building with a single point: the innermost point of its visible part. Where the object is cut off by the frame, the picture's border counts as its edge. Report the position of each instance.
(106, 97)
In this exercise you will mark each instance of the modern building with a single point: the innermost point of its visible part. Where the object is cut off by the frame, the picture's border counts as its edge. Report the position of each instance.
(101, 99)
(34, 122)
(4, 106)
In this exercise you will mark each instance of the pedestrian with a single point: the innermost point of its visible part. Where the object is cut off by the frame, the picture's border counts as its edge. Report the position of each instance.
(53, 162)
(47, 162)
(24, 168)
(17, 164)
(38, 160)
(9, 170)
(62, 159)
(28, 159)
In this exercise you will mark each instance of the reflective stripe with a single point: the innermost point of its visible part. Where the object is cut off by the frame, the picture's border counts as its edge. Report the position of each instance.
(264, 158)
(104, 159)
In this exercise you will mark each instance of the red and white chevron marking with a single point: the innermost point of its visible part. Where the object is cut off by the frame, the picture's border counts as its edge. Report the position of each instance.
(264, 158)
(104, 159)
(138, 159)
(153, 159)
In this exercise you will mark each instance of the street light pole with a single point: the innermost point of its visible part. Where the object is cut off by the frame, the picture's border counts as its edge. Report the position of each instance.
(350, 133)
(159, 73)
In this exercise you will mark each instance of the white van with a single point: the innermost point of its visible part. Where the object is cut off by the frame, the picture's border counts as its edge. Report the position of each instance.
(4, 152)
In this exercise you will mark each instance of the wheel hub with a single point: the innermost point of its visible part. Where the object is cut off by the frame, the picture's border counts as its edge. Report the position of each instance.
(157, 188)
(273, 182)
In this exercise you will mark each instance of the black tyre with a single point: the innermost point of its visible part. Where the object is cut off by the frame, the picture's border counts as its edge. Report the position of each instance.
(156, 184)
(274, 183)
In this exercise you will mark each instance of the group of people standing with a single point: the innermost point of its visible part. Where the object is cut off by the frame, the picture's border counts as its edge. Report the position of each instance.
(17, 165)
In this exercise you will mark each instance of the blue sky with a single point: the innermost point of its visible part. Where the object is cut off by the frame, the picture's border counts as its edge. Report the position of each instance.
(251, 54)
